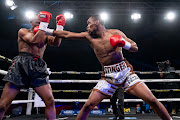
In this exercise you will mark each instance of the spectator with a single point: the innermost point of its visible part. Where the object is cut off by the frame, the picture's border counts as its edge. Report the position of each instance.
(165, 66)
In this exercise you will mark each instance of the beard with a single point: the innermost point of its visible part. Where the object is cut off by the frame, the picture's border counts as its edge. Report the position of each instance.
(93, 34)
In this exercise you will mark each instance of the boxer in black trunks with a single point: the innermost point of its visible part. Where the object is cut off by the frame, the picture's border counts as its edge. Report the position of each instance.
(28, 69)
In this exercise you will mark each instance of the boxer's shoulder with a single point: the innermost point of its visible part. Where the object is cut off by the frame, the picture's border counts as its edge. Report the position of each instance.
(23, 30)
(114, 31)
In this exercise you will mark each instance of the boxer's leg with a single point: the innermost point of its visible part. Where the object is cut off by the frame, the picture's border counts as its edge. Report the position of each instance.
(45, 92)
(143, 92)
(9, 93)
(95, 98)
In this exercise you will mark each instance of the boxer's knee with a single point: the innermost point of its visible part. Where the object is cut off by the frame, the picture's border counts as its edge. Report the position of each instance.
(49, 102)
(89, 105)
(152, 101)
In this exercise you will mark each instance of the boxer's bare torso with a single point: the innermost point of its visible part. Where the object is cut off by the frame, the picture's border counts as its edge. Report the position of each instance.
(106, 54)
(26, 43)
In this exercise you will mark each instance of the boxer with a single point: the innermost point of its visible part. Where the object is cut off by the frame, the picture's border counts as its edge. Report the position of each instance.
(117, 71)
(28, 69)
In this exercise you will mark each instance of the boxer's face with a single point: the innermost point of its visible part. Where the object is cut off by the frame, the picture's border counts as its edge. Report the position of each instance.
(34, 22)
(92, 25)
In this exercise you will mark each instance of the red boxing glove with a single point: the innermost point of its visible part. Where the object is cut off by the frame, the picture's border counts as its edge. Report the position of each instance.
(61, 19)
(117, 40)
(35, 30)
(44, 16)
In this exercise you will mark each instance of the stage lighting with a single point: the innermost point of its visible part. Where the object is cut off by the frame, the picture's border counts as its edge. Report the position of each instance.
(9, 2)
(68, 15)
(13, 7)
(170, 16)
(136, 16)
(104, 16)
(30, 14)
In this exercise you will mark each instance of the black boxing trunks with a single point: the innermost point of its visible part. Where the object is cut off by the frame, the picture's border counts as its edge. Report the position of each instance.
(27, 70)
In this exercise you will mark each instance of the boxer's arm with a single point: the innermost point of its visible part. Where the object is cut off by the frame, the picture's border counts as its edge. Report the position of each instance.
(134, 47)
(71, 35)
(53, 41)
(27, 36)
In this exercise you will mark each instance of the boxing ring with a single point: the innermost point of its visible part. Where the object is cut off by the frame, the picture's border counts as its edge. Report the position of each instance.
(31, 94)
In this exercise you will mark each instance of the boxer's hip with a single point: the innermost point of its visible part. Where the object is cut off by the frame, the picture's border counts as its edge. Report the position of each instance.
(117, 73)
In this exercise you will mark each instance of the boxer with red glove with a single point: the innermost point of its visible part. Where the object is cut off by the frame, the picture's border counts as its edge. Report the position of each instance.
(60, 19)
(31, 49)
(117, 40)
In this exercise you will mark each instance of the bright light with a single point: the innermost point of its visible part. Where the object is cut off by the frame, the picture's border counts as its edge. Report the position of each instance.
(170, 16)
(68, 15)
(104, 16)
(30, 14)
(9, 2)
(135, 16)
(13, 7)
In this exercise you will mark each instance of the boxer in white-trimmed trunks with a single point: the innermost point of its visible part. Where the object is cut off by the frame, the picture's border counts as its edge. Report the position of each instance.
(117, 71)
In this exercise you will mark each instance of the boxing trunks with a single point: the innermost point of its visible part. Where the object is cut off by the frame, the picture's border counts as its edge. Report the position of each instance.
(27, 70)
(116, 75)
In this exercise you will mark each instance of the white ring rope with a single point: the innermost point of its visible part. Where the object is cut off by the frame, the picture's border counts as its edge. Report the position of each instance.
(84, 100)
(88, 91)
(22, 101)
(100, 72)
(3, 72)
(95, 81)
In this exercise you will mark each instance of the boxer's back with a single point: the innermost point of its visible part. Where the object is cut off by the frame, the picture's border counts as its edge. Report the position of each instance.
(24, 44)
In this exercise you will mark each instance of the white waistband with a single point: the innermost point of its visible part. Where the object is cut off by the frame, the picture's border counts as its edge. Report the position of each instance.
(115, 67)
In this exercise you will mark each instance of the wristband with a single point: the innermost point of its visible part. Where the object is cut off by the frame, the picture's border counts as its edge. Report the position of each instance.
(49, 31)
(43, 26)
(59, 28)
(127, 45)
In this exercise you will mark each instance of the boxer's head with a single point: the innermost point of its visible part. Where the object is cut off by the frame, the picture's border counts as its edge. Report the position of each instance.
(93, 23)
(34, 22)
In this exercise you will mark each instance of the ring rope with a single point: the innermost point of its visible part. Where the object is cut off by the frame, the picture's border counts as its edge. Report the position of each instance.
(3, 72)
(100, 72)
(88, 91)
(84, 100)
(95, 81)
(5, 59)
(95, 73)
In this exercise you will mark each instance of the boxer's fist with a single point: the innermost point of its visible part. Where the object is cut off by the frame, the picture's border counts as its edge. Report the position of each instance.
(35, 30)
(117, 40)
(60, 19)
(44, 16)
